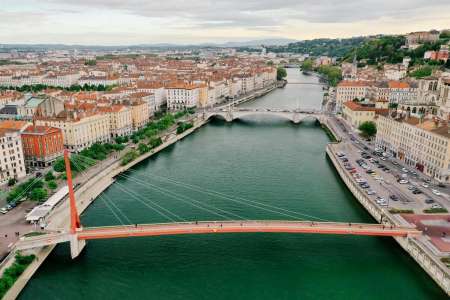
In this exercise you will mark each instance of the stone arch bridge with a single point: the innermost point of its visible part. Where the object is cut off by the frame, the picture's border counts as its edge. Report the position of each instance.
(294, 115)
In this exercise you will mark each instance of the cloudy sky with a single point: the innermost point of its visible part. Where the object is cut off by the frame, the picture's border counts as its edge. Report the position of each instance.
(120, 22)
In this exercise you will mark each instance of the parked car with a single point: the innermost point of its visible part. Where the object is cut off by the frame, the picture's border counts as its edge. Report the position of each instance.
(393, 197)
(403, 181)
(3, 210)
(436, 192)
(429, 201)
(417, 192)
(425, 185)
(371, 192)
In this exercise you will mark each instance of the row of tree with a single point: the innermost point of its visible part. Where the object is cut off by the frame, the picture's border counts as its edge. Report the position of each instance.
(36, 88)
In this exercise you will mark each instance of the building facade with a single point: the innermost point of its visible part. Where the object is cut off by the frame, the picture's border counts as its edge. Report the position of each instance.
(42, 145)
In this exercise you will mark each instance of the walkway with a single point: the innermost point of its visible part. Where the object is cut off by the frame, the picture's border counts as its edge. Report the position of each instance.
(206, 227)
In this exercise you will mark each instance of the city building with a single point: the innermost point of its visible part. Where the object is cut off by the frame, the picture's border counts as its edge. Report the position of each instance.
(182, 96)
(80, 130)
(357, 113)
(349, 90)
(420, 143)
(42, 145)
(12, 163)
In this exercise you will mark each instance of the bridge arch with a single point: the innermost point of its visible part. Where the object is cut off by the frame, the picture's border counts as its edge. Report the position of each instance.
(295, 117)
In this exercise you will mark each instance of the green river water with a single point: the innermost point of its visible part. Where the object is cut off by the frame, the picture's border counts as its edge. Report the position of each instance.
(267, 160)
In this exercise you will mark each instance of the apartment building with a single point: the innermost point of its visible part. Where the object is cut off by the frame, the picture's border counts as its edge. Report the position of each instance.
(80, 130)
(120, 119)
(422, 144)
(182, 96)
(12, 163)
(349, 90)
(42, 145)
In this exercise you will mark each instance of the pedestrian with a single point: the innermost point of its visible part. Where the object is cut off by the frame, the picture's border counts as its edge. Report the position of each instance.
(196, 222)
(135, 225)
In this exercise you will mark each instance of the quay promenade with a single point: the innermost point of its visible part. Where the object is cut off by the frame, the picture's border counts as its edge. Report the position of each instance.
(415, 246)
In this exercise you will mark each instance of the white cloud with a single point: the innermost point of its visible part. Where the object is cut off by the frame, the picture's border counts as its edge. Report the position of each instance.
(137, 21)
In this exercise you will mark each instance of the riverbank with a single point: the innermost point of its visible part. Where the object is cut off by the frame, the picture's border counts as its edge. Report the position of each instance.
(97, 183)
(413, 246)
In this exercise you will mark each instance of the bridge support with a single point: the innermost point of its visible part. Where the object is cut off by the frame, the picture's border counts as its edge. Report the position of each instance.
(296, 118)
(76, 245)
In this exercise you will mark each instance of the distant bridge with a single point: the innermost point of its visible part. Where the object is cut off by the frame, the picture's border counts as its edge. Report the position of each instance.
(294, 115)
(307, 83)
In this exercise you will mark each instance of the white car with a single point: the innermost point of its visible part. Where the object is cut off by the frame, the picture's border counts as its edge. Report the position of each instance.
(404, 170)
(436, 192)
(371, 192)
(436, 206)
(3, 210)
(425, 185)
(403, 181)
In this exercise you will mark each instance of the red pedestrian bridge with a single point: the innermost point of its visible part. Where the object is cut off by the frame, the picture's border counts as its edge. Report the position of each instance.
(78, 235)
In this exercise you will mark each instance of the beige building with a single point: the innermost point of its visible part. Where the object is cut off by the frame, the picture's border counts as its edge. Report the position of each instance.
(120, 119)
(348, 90)
(421, 144)
(140, 114)
(80, 132)
(12, 162)
(356, 113)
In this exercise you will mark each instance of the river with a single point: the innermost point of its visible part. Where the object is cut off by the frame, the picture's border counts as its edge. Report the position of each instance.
(271, 161)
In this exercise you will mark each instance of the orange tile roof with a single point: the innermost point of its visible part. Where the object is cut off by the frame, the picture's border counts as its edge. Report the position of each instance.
(350, 83)
(12, 125)
(393, 84)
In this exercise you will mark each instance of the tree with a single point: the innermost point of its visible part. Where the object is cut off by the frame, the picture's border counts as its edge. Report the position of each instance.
(368, 129)
(422, 72)
(143, 148)
(59, 165)
(38, 194)
(307, 65)
(447, 64)
(281, 73)
(12, 181)
(52, 185)
(393, 105)
(49, 176)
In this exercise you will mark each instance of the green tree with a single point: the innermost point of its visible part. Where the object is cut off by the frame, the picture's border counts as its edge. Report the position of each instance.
(368, 129)
(49, 176)
(445, 34)
(422, 72)
(38, 194)
(143, 148)
(307, 65)
(59, 165)
(281, 73)
(12, 181)
(52, 185)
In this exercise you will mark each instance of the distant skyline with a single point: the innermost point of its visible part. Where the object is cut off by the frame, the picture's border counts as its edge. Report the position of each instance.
(127, 22)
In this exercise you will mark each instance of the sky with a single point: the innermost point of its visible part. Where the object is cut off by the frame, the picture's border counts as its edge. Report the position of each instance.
(126, 22)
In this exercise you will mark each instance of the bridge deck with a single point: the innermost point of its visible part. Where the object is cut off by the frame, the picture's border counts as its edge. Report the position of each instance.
(243, 227)
(205, 227)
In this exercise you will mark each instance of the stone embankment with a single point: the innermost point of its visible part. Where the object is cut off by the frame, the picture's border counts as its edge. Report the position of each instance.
(414, 246)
